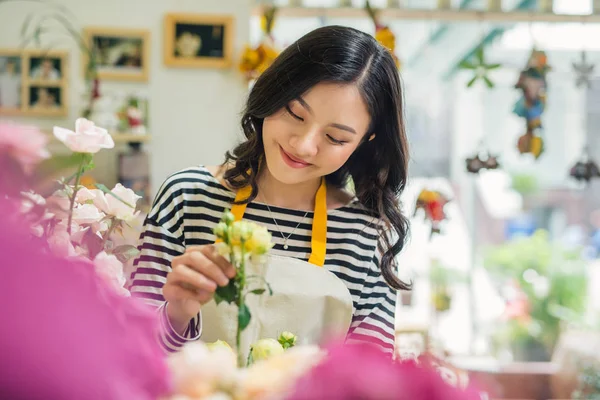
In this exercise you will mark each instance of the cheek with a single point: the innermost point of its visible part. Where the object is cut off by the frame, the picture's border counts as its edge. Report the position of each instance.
(337, 156)
(273, 128)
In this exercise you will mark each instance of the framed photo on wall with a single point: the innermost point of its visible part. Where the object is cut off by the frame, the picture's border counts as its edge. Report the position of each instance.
(11, 82)
(121, 54)
(198, 40)
(34, 82)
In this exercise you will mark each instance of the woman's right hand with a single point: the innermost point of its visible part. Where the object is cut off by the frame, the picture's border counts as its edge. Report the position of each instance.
(194, 277)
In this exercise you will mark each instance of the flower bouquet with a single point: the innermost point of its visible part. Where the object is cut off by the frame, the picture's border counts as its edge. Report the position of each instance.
(95, 225)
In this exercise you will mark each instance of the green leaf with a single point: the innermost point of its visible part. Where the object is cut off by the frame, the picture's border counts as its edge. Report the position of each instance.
(492, 66)
(479, 54)
(488, 82)
(125, 252)
(244, 317)
(226, 293)
(109, 192)
(466, 65)
(472, 81)
(56, 166)
(258, 291)
(263, 280)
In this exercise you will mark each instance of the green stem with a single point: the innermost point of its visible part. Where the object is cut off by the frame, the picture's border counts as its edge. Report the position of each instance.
(241, 278)
(75, 190)
(113, 225)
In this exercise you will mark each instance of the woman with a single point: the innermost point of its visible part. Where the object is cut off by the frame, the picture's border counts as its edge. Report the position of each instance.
(328, 109)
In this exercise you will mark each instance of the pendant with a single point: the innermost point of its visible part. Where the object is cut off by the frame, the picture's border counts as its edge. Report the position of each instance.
(285, 246)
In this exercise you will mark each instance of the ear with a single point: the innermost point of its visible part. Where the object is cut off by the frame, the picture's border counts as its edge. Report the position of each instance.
(371, 137)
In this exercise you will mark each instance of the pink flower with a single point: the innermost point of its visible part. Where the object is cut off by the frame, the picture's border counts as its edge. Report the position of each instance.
(87, 138)
(60, 243)
(362, 372)
(25, 144)
(111, 270)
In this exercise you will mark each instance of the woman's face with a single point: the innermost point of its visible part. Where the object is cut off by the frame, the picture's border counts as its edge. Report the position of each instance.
(315, 134)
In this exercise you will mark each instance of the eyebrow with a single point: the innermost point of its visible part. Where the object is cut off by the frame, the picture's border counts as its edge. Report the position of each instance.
(334, 125)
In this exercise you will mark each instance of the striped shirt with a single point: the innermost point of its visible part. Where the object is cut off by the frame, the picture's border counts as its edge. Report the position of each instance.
(191, 202)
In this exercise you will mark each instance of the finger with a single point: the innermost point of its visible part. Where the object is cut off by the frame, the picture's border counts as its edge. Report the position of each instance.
(185, 274)
(206, 266)
(211, 253)
(176, 292)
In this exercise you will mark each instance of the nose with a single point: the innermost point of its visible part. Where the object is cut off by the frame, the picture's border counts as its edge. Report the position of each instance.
(305, 144)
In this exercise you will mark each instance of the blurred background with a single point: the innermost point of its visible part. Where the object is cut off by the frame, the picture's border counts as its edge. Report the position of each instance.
(503, 117)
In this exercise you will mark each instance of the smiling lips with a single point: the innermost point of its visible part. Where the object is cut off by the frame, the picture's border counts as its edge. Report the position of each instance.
(292, 161)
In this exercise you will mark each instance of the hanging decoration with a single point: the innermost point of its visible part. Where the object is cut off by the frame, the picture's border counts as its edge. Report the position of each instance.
(432, 203)
(479, 67)
(482, 160)
(583, 71)
(531, 105)
(383, 33)
(585, 169)
(255, 61)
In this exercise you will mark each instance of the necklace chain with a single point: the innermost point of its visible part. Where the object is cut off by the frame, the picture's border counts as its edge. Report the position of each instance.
(285, 239)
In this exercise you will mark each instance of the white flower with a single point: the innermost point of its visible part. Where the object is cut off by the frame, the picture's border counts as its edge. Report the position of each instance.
(199, 372)
(87, 138)
(87, 214)
(84, 195)
(112, 205)
(265, 349)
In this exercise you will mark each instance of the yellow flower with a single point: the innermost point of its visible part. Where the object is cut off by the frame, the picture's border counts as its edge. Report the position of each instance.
(249, 60)
(386, 38)
(220, 230)
(265, 349)
(259, 242)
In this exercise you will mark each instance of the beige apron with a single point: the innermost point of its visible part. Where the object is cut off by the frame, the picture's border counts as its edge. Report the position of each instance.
(307, 299)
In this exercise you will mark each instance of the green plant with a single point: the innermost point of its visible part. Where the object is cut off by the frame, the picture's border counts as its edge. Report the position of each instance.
(588, 386)
(553, 279)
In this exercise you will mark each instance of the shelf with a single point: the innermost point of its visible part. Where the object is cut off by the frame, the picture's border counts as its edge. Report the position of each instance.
(436, 15)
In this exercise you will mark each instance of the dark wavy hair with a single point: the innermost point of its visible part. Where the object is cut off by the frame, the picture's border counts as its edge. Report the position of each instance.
(378, 168)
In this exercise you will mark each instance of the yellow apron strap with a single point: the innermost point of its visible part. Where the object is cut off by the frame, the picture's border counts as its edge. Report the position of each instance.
(319, 227)
(238, 209)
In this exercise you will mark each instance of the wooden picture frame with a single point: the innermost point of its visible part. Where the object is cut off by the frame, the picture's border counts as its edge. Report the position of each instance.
(37, 86)
(198, 40)
(121, 54)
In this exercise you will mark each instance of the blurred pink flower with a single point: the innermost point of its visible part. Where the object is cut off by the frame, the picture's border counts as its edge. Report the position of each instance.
(87, 137)
(25, 144)
(71, 337)
(60, 243)
(110, 269)
(362, 372)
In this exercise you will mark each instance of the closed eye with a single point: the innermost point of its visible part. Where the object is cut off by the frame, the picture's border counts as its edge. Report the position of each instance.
(335, 141)
(289, 110)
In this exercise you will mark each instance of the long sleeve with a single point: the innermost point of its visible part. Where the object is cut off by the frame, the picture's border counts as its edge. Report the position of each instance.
(374, 314)
(161, 241)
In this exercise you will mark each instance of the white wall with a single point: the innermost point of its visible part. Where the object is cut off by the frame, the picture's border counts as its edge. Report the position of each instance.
(194, 113)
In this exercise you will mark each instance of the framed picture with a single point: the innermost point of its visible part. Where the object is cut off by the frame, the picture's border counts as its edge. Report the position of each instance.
(121, 54)
(198, 40)
(11, 82)
(33, 82)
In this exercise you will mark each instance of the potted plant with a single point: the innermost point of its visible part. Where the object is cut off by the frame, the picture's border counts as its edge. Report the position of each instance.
(552, 280)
